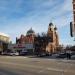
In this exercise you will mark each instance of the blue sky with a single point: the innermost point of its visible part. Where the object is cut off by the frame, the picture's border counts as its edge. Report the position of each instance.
(18, 16)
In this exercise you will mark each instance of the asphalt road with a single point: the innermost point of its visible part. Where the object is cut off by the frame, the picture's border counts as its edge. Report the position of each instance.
(11, 65)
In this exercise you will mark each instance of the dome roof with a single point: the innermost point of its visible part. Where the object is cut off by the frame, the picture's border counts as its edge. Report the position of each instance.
(55, 28)
(51, 24)
(30, 32)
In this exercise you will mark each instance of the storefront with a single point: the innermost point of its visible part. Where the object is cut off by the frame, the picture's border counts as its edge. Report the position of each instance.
(21, 48)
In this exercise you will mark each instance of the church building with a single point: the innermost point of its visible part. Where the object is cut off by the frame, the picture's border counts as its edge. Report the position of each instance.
(47, 43)
(54, 43)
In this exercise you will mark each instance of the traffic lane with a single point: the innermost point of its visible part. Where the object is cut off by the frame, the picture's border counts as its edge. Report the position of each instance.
(19, 69)
(14, 69)
(4, 71)
(14, 72)
(40, 62)
(36, 66)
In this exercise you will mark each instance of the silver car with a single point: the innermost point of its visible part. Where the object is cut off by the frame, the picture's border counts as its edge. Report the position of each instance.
(14, 54)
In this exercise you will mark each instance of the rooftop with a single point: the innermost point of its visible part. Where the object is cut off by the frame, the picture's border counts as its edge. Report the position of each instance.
(3, 34)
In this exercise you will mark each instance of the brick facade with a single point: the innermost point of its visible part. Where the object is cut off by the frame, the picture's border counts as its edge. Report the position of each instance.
(74, 13)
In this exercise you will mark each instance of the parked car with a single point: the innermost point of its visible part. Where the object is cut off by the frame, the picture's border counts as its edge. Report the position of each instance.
(61, 55)
(23, 53)
(4, 53)
(13, 53)
(73, 57)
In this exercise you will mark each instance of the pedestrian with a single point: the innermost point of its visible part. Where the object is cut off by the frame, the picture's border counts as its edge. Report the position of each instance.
(68, 56)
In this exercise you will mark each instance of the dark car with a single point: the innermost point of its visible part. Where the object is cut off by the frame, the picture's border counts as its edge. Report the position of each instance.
(62, 55)
(24, 53)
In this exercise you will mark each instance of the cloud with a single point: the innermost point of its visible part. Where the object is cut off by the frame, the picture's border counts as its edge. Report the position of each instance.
(17, 16)
(67, 5)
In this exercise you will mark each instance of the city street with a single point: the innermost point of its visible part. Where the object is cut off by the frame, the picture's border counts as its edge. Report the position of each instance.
(27, 65)
(37, 37)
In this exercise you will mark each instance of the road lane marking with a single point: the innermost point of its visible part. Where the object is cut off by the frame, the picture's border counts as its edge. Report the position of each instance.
(55, 69)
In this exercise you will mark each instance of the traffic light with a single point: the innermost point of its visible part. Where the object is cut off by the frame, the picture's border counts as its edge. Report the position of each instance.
(71, 29)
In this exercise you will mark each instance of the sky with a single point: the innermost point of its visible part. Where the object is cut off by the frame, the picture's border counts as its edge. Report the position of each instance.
(18, 16)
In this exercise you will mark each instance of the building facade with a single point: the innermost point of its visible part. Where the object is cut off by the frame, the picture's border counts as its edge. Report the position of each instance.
(74, 15)
(4, 41)
(28, 38)
(25, 42)
(54, 43)
(47, 43)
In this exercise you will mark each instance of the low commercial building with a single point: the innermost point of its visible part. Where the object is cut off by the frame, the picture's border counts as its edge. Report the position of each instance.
(21, 48)
(4, 41)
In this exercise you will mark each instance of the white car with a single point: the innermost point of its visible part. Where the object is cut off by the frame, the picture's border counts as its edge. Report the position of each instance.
(14, 54)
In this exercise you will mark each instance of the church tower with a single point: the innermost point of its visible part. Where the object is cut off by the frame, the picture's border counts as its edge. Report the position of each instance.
(50, 31)
(52, 34)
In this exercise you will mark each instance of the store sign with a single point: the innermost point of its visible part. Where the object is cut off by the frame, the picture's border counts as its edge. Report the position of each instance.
(29, 46)
(20, 46)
